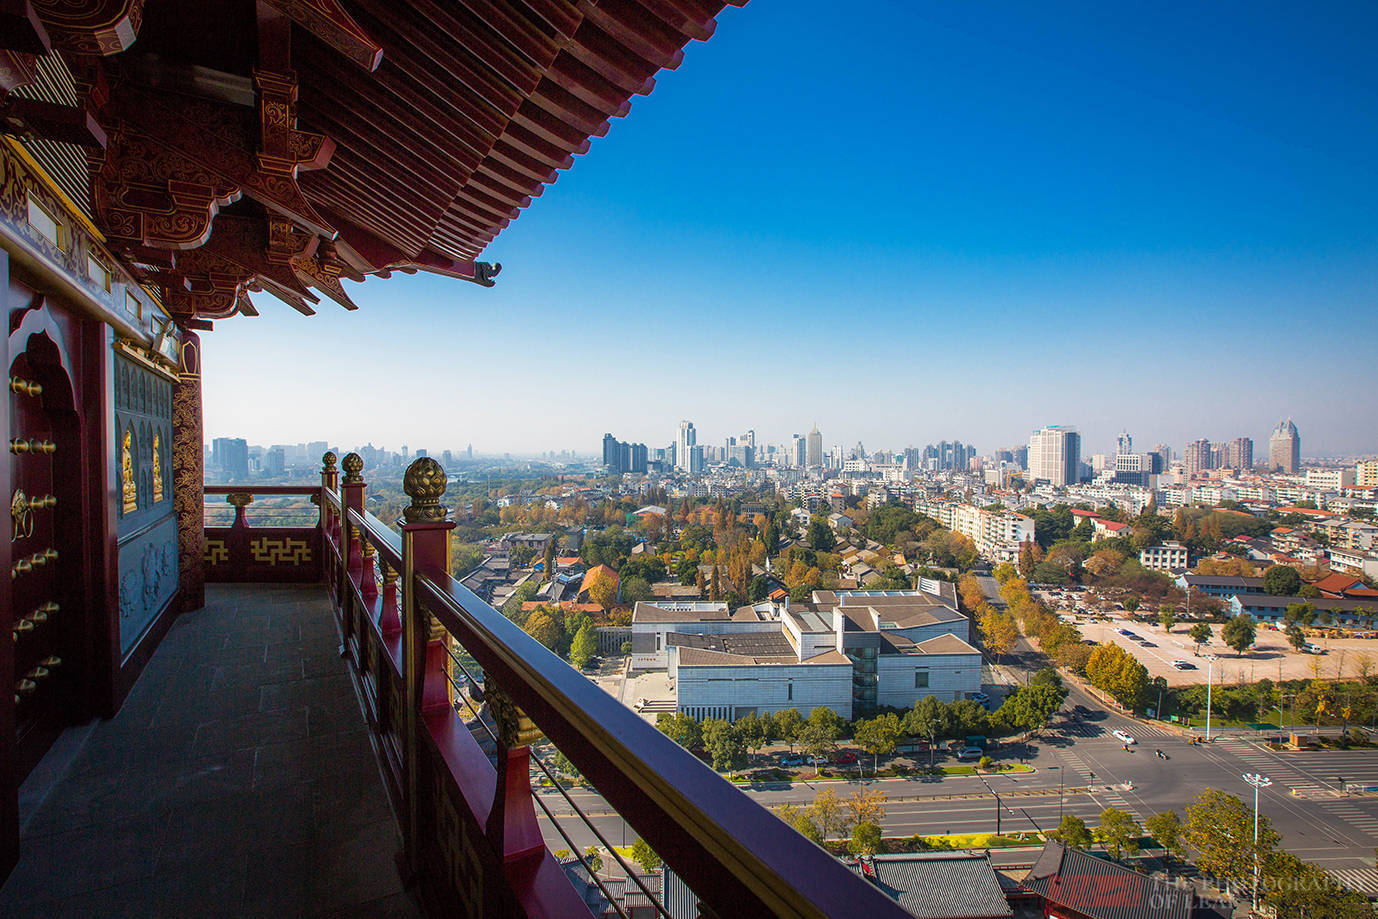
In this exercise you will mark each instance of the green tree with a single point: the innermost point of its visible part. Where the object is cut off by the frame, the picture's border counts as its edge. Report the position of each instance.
(820, 536)
(603, 590)
(829, 813)
(512, 609)
(1281, 581)
(595, 861)
(754, 731)
(1200, 633)
(1220, 827)
(645, 856)
(584, 646)
(1131, 604)
(1295, 636)
(548, 568)
(635, 589)
(724, 745)
(878, 735)
(541, 625)
(865, 839)
(1167, 618)
(1166, 828)
(1029, 707)
(788, 723)
(1072, 832)
(801, 821)
(1239, 633)
(1118, 833)
(1300, 890)
(680, 728)
(1299, 614)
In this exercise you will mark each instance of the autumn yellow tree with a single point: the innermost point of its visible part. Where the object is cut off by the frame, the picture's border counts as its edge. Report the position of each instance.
(603, 590)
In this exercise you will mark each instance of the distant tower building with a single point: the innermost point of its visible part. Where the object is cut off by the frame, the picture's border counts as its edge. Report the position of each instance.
(1165, 452)
(687, 439)
(1124, 443)
(612, 453)
(1055, 454)
(815, 450)
(1239, 453)
(1197, 456)
(1284, 448)
(799, 455)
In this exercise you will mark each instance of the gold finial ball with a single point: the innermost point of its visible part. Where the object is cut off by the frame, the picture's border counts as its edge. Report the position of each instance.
(353, 467)
(329, 460)
(239, 498)
(424, 483)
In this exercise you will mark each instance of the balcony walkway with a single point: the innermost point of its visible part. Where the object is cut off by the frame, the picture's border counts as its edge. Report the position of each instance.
(237, 780)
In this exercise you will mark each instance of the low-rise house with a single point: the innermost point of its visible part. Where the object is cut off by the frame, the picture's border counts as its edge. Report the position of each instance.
(1074, 885)
(938, 885)
(1348, 613)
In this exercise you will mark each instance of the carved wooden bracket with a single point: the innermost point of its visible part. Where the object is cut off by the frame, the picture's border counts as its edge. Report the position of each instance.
(92, 26)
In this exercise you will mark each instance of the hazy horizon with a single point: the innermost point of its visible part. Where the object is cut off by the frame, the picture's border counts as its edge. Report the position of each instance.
(957, 222)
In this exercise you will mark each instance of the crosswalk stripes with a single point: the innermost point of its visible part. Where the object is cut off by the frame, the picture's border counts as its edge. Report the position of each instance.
(1082, 729)
(1364, 880)
(1106, 793)
(1350, 814)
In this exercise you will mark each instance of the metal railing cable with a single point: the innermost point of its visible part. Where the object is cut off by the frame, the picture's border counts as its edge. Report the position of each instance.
(555, 782)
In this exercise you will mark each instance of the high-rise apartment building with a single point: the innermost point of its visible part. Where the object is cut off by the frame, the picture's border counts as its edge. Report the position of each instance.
(686, 440)
(799, 451)
(1366, 473)
(1196, 457)
(1239, 453)
(620, 456)
(1055, 454)
(1284, 448)
(231, 454)
(1124, 443)
(815, 447)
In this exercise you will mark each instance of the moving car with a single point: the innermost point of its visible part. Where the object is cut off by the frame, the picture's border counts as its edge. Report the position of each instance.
(1124, 737)
(1183, 665)
(1314, 649)
(971, 753)
(979, 697)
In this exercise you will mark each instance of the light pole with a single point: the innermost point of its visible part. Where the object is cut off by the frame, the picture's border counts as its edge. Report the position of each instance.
(1060, 777)
(1258, 781)
(1210, 661)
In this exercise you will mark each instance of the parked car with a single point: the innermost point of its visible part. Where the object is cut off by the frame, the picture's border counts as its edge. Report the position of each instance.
(1314, 649)
(1125, 632)
(792, 759)
(979, 697)
(1183, 665)
(843, 757)
(1145, 643)
(1124, 737)
(971, 753)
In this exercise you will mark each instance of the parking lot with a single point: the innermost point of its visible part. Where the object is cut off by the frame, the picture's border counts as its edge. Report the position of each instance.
(1271, 656)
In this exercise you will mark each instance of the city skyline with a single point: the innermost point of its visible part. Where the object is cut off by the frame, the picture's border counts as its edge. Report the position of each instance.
(1030, 220)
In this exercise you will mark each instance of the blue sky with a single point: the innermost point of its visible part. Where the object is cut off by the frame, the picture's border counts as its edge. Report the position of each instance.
(906, 222)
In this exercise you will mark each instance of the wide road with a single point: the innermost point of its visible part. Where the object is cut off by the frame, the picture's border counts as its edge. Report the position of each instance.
(1316, 821)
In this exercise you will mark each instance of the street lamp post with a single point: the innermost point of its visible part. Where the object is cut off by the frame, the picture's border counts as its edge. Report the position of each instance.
(1060, 777)
(1258, 781)
(1210, 662)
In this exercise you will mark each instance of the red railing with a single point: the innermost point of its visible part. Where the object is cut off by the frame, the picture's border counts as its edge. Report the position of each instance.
(470, 829)
(273, 553)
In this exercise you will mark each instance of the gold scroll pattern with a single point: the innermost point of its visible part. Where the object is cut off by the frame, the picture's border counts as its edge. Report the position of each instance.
(285, 551)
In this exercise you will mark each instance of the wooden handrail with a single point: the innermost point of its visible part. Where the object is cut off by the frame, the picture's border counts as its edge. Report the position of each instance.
(739, 858)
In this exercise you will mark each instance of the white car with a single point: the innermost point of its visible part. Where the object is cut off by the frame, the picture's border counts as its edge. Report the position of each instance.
(1124, 737)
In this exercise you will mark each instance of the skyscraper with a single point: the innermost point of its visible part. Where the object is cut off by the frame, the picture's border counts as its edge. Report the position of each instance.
(1284, 448)
(799, 452)
(815, 447)
(686, 440)
(1055, 454)
(1124, 443)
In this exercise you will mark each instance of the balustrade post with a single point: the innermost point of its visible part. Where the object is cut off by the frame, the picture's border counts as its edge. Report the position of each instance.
(238, 540)
(425, 548)
(352, 496)
(389, 617)
(330, 481)
(512, 825)
(368, 584)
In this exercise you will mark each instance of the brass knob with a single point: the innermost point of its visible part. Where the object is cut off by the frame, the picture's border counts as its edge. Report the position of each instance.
(49, 607)
(18, 445)
(24, 387)
(20, 567)
(46, 447)
(46, 501)
(49, 555)
(52, 661)
(37, 673)
(23, 625)
(24, 687)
